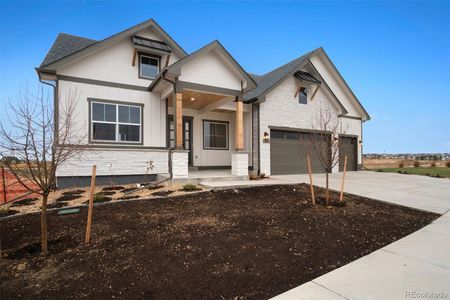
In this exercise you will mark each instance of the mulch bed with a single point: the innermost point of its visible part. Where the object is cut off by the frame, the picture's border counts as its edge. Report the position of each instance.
(67, 197)
(73, 192)
(128, 197)
(106, 193)
(113, 188)
(249, 243)
(27, 201)
(163, 193)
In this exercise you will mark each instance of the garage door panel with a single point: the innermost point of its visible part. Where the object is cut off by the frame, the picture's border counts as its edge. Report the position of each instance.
(348, 146)
(288, 153)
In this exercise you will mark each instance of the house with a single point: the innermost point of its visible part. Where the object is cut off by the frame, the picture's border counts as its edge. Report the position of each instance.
(147, 107)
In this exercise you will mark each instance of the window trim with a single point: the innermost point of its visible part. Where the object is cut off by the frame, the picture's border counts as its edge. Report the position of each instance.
(227, 136)
(150, 55)
(116, 141)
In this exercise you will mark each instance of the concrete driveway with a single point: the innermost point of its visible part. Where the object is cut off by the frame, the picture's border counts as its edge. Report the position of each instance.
(414, 267)
(421, 192)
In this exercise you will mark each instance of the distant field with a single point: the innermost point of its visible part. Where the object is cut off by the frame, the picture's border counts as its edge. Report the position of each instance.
(392, 166)
(427, 171)
(393, 163)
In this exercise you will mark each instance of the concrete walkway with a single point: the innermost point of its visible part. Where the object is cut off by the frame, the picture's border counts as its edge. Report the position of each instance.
(414, 267)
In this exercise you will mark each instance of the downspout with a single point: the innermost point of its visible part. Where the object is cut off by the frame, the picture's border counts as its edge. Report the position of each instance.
(55, 115)
(170, 148)
(55, 107)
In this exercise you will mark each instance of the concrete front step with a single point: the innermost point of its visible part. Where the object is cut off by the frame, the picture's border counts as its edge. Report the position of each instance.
(206, 180)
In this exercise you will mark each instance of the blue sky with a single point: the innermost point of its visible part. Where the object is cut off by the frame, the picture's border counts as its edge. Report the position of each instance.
(394, 55)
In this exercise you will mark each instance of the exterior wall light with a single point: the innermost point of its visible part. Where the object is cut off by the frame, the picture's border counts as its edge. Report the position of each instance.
(266, 137)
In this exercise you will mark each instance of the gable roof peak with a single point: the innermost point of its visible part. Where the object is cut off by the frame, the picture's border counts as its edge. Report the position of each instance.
(66, 46)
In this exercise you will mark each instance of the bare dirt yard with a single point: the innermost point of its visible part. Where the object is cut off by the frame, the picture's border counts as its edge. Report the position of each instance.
(251, 243)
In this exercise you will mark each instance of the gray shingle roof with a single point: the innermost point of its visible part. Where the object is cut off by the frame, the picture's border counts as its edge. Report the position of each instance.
(266, 81)
(64, 45)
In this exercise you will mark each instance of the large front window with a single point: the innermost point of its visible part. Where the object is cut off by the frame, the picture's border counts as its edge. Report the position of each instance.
(112, 122)
(215, 135)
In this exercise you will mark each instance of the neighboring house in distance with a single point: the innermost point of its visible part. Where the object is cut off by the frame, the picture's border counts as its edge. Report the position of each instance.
(142, 98)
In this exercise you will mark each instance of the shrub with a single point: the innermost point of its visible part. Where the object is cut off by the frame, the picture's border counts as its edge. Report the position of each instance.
(253, 177)
(379, 170)
(401, 165)
(262, 175)
(190, 187)
(433, 164)
(416, 164)
(399, 171)
(447, 164)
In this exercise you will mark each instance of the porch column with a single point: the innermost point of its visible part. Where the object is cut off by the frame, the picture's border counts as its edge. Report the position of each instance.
(239, 143)
(239, 159)
(178, 117)
(179, 156)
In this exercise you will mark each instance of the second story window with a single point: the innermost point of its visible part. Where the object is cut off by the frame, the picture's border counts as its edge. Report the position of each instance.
(148, 66)
(303, 96)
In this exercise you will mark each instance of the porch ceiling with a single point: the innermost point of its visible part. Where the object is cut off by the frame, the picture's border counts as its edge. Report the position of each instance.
(201, 99)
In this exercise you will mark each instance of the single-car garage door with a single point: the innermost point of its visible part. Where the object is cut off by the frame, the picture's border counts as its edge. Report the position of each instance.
(348, 146)
(288, 151)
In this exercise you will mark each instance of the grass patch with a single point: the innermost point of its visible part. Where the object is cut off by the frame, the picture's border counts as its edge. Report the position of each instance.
(426, 171)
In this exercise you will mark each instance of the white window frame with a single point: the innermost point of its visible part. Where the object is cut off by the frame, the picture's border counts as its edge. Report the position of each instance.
(116, 123)
(227, 135)
(140, 65)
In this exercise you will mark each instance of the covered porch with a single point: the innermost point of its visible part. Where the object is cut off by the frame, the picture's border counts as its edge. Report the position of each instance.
(208, 125)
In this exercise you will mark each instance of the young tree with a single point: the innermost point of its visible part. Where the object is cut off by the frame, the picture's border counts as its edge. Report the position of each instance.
(325, 140)
(42, 141)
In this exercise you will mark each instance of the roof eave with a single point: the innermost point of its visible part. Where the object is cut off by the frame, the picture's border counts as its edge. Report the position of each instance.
(367, 116)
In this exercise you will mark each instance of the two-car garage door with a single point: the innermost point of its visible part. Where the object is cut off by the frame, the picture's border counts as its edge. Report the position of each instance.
(288, 151)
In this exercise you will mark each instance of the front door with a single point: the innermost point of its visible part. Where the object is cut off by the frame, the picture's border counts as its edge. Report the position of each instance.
(187, 135)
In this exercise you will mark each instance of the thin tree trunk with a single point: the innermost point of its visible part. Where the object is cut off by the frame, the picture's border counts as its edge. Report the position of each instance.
(327, 196)
(44, 233)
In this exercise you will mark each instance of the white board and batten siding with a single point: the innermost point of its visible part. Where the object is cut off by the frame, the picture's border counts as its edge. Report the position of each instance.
(113, 63)
(116, 161)
(211, 69)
